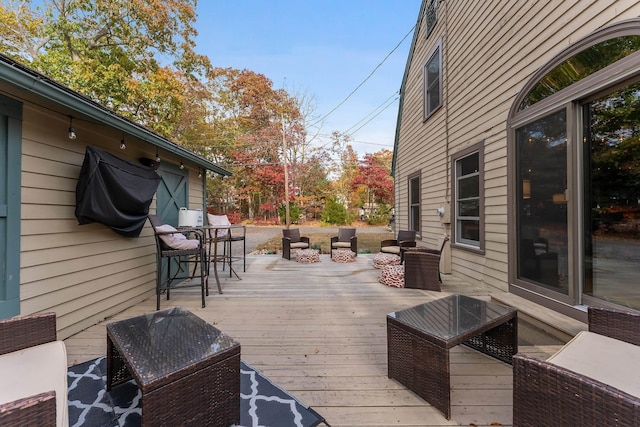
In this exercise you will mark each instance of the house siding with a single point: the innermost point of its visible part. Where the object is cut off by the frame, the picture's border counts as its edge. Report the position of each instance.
(490, 50)
(83, 273)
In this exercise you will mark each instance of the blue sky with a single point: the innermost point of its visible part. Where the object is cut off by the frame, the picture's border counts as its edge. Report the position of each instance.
(324, 49)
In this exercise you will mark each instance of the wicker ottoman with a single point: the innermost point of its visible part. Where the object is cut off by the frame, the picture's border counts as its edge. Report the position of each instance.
(382, 258)
(308, 255)
(343, 255)
(392, 275)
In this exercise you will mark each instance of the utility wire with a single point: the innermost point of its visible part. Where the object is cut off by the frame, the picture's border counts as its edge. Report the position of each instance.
(364, 81)
(372, 112)
(376, 115)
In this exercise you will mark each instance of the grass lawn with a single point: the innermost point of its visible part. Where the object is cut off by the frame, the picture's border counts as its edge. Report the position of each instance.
(367, 242)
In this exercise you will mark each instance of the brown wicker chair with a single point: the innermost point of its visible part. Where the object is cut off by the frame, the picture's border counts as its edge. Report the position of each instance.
(346, 239)
(180, 260)
(20, 333)
(406, 239)
(291, 239)
(422, 267)
(547, 394)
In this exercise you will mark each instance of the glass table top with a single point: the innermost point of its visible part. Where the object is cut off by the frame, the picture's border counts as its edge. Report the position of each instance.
(163, 342)
(451, 316)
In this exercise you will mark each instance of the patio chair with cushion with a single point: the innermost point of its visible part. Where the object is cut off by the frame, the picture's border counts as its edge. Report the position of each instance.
(593, 380)
(406, 239)
(291, 239)
(422, 267)
(33, 368)
(227, 236)
(174, 251)
(346, 239)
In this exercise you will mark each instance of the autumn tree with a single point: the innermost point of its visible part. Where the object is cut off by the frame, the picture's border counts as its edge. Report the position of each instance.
(373, 180)
(114, 52)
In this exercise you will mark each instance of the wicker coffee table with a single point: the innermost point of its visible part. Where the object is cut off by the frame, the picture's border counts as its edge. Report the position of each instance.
(419, 339)
(188, 371)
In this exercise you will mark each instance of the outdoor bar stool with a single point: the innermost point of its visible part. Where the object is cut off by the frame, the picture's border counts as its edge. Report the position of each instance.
(179, 252)
(228, 234)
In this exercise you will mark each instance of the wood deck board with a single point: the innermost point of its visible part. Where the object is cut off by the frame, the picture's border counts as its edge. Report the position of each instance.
(319, 331)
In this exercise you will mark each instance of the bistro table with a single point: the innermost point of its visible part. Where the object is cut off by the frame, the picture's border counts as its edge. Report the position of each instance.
(419, 340)
(187, 370)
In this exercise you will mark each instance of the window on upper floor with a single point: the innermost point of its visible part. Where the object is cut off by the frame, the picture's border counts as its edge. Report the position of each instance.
(468, 197)
(431, 17)
(432, 72)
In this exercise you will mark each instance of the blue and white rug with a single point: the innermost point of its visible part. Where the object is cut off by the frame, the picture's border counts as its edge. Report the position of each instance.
(262, 403)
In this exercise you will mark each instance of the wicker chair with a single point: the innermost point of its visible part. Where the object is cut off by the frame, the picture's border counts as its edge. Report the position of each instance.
(43, 406)
(346, 239)
(545, 393)
(180, 260)
(422, 267)
(291, 239)
(406, 239)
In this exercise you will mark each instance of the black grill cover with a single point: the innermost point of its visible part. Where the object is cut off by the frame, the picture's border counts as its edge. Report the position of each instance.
(114, 192)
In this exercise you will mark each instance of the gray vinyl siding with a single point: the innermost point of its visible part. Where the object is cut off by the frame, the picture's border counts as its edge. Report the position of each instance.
(490, 50)
(83, 273)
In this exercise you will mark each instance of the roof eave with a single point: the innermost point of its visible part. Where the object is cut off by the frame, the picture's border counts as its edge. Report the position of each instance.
(14, 74)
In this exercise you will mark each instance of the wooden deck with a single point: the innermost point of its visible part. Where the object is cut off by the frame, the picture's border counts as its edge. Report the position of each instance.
(319, 331)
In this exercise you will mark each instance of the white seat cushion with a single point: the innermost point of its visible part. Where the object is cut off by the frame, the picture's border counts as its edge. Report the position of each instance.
(36, 370)
(341, 245)
(176, 240)
(390, 249)
(605, 359)
(299, 245)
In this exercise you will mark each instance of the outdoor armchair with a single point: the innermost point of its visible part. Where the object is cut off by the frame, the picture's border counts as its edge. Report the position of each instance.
(422, 267)
(592, 381)
(33, 368)
(406, 239)
(346, 239)
(291, 239)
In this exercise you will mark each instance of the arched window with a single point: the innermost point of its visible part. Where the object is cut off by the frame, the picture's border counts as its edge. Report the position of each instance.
(574, 144)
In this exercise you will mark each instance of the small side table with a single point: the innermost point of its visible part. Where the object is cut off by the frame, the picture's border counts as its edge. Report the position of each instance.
(419, 340)
(187, 370)
(392, 275)
(381, 259)
(343, 255)
(307, 255)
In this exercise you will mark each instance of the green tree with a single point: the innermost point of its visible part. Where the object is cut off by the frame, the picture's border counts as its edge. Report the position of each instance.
(334, 213)
(114, 52)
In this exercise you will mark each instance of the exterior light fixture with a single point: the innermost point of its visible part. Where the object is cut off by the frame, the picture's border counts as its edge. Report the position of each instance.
(157, 156)
(200, 174)
(181, 165)
(122, 143)
(72, 131)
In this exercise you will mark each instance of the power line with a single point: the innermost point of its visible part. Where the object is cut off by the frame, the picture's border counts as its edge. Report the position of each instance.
(364, 81)
(376, 115)
(374, 111)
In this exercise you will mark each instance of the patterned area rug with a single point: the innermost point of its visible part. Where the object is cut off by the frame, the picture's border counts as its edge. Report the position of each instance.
(262, 403)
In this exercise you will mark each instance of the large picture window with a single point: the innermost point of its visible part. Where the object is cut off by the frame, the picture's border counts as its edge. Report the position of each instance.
(468, 189)
(575, 151)
(432, 72)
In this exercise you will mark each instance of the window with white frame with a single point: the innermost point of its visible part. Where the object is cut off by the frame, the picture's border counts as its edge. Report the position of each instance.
(468, 197)
(414, 202)
(431, 73)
